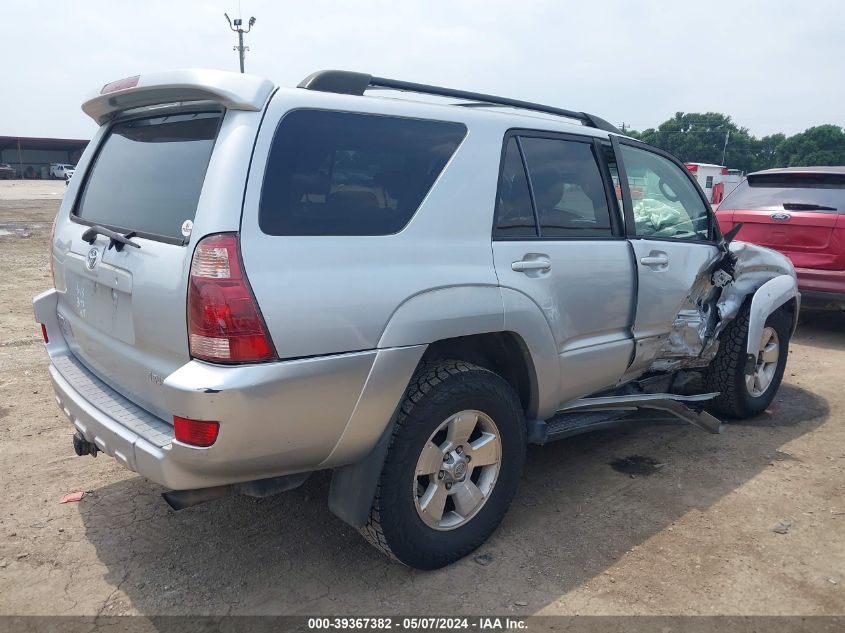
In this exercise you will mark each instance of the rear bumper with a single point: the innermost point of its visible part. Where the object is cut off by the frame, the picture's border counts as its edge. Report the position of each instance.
(275, 418)
(822, 288)
(130, 447)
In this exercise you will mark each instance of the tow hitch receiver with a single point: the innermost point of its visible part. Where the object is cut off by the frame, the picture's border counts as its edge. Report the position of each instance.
(81, 446)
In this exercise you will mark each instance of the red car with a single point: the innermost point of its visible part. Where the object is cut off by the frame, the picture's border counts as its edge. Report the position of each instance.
(799, 211)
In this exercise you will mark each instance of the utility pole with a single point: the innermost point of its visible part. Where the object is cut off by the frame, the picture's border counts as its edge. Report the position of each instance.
(725, 148)
(237, 28)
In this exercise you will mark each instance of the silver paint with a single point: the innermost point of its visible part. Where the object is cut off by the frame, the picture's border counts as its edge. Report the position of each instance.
(351, 316)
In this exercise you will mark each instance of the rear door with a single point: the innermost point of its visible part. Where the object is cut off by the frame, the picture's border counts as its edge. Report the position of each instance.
(670, 227)
(801, 214)
(123, 311)
(558, 240)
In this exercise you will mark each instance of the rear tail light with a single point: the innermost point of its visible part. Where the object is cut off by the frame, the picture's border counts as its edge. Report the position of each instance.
(224, 323)
(195, 432)
(44, 333)
(692, 167)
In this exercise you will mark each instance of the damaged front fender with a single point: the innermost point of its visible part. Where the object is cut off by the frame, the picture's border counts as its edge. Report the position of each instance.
(735, 274)
(768, 298)
(763, 274)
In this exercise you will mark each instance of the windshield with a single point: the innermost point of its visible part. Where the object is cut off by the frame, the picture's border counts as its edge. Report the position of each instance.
(149, 173)
(798, 191)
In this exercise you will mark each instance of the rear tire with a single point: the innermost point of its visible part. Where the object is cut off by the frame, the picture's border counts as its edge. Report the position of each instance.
(743, 396)
(453, 466)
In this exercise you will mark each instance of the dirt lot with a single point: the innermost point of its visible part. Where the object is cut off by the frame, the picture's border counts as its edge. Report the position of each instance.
(689, 530)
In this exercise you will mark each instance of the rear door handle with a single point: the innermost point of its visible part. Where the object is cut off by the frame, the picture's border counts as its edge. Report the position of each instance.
(526, 265)
(655, 259)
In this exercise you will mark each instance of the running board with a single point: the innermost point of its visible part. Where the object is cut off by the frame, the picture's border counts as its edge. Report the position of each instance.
(592, 414)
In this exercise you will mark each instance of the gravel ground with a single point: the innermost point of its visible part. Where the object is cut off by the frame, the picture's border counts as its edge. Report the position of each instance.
(659, 520)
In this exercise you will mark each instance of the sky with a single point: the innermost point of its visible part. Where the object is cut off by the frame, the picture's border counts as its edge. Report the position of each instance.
(773, 65)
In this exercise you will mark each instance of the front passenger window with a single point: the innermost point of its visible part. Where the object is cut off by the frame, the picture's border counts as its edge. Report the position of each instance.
(665, 202)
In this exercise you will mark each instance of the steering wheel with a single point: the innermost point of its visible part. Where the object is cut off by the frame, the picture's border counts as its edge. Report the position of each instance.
(671, 197)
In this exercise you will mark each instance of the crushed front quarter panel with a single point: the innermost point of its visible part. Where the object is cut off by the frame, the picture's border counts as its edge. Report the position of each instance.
(716, 298)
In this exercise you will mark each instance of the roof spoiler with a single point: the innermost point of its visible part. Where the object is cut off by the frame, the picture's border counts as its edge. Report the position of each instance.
(231, 90)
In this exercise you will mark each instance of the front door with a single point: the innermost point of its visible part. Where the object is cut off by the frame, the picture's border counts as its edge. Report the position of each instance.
(670, 228)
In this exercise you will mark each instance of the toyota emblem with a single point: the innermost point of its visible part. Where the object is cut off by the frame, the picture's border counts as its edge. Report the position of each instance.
(91, 259)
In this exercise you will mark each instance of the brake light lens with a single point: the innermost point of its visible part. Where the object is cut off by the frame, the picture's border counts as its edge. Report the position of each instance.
(224, 323)
(44, 333)
(120, 84)
(201, 433)
(693, 168)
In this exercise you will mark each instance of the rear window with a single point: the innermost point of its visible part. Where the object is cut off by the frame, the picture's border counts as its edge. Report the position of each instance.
(148, 174)
(340, 173)
(790, 192)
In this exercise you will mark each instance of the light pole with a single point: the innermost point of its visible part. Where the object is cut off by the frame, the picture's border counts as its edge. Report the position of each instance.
(239, 30)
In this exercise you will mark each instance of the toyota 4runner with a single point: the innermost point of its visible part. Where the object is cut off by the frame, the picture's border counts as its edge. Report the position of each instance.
(253, 283)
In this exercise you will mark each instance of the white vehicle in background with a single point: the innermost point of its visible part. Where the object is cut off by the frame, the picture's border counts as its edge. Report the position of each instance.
(61, 171)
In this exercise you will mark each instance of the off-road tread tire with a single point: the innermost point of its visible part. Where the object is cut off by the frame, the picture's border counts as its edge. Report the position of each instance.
(428, 377)
(726, 373)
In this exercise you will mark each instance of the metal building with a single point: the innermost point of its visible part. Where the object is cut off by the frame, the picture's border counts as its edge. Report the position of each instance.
(31, 157)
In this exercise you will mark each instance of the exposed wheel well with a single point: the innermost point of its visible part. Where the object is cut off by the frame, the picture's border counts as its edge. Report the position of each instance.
(791, 308)
(504, 353)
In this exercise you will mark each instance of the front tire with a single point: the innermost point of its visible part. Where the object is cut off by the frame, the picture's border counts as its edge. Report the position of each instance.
(744, 395)
(453, 466)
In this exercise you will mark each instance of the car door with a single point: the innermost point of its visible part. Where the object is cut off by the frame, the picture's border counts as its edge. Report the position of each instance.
(671, 230)
(558, 240)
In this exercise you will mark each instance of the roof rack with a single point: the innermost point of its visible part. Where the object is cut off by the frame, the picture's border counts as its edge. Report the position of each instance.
(352, 83)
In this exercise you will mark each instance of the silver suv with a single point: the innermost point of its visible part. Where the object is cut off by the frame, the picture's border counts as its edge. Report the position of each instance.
(254, 283)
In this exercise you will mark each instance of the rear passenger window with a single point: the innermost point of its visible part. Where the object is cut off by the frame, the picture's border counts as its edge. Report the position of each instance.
(514, 213)
(568, 189)
(340, 173)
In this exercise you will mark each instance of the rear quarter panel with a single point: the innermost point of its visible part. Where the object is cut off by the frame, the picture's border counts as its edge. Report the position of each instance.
(332, 294)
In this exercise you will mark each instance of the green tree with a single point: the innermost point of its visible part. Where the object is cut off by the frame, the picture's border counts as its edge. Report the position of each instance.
(767, 148)
(820, 145)
(700, 137)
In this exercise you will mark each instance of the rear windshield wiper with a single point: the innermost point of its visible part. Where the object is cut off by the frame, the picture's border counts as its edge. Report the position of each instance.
(806, 206)
(115, 239)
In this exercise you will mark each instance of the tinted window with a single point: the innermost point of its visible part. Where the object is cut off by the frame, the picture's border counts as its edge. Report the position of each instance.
(567, 186)
(149, 173)
(666, 204)
(514, 213)
(338, 173)
(790, 192)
